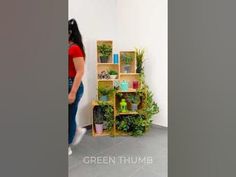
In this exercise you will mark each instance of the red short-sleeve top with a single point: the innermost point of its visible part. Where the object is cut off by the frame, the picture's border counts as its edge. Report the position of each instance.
(74, 51)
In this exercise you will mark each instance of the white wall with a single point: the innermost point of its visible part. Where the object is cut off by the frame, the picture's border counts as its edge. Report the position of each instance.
(96, 20)
(143, 23)
(129, 23)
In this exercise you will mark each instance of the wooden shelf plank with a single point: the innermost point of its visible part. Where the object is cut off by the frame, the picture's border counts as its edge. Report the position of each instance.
(129, 90)
(95, 102)
(107, 80)
(128, 113)
(105, 133)
(120, 133)
(129, 74)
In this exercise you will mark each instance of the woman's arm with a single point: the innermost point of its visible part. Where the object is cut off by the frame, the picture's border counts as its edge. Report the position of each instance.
(79, 67)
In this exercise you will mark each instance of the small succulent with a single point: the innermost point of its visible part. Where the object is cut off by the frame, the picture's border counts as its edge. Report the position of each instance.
(112, 72)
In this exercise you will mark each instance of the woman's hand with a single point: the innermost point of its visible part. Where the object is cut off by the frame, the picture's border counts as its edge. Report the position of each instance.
(71, 97)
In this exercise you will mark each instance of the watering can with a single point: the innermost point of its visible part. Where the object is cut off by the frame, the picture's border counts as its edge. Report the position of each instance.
(124, 85)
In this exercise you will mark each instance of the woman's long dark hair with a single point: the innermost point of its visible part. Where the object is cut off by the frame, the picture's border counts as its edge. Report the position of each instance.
(75, 35)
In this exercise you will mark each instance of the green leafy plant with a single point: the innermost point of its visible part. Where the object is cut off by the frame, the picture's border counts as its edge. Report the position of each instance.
(104, 50)
(119, 94)
(139, 58)
(134, 98)
(112, 72)
(150, 107)
(134, 125)
(108, 113)
(105, 91)
(98, 116)
(127, 58)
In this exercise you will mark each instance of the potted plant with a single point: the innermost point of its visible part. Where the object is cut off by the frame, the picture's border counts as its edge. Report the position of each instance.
(104, 51)
(127, 59)
(108, 113)
(134, 125)
(134, 100)
(113, 74)
(98, 120)
(104, 93)
(139, 58)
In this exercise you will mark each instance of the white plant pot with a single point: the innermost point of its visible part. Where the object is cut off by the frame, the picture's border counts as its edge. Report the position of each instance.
(113, 76)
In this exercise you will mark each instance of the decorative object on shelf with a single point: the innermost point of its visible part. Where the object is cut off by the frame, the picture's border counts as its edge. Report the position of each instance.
(98, 120)
(123, 106)
(127, 59)
(134, 100)
(116, 84)
(139, 58)
(135, 84)
(113, 74)
(124, 86)
(104, 93)
(104, 51)
(103, 75)
(115, 58)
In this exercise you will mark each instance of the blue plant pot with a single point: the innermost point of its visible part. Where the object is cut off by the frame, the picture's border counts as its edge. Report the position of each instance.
(104, 98)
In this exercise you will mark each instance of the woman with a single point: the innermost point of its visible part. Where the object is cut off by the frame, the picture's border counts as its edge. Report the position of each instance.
(76, 56)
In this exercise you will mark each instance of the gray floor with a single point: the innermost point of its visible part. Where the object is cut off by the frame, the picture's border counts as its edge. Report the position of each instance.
(150, 149)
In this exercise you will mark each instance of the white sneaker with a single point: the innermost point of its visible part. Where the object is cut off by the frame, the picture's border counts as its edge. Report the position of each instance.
(69, 151)
(79, 135)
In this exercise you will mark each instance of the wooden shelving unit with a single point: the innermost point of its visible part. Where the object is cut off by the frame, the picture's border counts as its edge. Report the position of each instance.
(109, 83)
